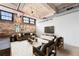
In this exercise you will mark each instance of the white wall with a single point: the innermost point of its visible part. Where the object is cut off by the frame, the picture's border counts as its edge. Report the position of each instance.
(66, 26)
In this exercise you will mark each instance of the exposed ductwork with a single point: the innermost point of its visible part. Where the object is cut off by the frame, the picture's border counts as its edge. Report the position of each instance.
(41, 11)
(67, 7)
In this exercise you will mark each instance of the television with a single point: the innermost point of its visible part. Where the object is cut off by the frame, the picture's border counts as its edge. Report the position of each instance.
(49, 29)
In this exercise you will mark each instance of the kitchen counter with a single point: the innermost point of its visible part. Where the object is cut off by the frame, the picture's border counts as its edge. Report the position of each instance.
(4, 43)
(5, 46)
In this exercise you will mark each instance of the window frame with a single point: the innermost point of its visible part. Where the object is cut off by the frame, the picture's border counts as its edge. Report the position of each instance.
(32, 21)
(6, 16)
(29, 20)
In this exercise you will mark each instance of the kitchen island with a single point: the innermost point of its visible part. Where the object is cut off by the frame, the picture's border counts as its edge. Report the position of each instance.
(5, 44)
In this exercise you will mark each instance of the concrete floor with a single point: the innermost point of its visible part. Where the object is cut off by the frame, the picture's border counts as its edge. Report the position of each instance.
(24, 48)
(68, 51)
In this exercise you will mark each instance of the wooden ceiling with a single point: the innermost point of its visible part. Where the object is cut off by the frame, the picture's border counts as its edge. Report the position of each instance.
(37, 10)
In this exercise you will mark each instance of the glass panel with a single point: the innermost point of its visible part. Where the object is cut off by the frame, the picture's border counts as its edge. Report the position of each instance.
(9, 14)
(6, 18)
(31, 19)
(32, 22)
(6, 15)
(2, 13)
(26, 20)
(3, 17)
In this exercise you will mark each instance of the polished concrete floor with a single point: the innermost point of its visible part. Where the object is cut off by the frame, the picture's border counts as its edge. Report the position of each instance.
(68, 51)
(24, 48)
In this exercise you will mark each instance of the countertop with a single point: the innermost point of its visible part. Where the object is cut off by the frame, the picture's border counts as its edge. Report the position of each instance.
(4, 43)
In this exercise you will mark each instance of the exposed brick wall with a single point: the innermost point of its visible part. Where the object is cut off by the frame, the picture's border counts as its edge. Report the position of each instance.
(10, 26)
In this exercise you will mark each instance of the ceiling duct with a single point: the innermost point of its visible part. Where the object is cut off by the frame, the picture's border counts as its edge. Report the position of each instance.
(68, 7)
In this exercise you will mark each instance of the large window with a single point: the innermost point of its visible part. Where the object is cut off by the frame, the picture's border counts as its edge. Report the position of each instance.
(32, 21)
(6, 16)
(25, 19)
(28, 20)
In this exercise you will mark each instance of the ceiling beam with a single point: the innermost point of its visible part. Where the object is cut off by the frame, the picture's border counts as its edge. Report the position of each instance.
(52, 6)
(11, 8)
(18, 6)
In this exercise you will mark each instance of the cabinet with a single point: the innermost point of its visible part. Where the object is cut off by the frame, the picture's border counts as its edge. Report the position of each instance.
(5, 52)
(5, 47)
